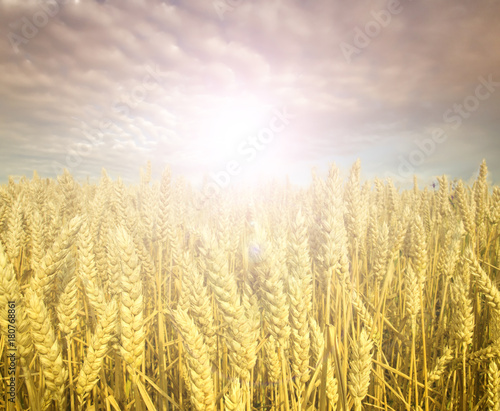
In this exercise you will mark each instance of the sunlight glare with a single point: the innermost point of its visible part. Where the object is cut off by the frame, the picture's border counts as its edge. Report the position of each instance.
(229, 122)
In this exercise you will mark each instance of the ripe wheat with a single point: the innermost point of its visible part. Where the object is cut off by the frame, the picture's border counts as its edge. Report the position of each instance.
(346, 294)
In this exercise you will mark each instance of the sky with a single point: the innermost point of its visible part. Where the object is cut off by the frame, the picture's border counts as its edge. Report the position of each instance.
(248, 90)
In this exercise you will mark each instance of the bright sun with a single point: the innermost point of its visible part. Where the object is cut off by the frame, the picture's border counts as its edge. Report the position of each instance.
(229, 122)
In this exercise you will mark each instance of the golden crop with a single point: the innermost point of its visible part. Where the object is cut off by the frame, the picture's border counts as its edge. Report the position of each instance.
(343, 295)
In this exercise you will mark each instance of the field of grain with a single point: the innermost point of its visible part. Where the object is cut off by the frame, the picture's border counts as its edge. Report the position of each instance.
(345, 295)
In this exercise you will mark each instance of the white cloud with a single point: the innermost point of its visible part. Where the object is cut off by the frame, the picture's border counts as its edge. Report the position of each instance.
(89, 62)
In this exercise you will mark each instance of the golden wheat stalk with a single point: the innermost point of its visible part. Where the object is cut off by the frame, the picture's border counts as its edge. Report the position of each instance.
(493, 386)
(202, 388)
(47, 346)
(89, 374)
(360, 364)
(131, 298)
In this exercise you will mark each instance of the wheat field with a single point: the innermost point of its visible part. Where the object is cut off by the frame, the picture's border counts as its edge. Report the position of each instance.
(344, 295)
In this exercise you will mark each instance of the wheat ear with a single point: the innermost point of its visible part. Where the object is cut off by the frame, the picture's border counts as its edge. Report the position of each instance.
(493, 386)
(299, 330)
(87, 271)
(360, 364)
(132, 306)
(202, 387)
(234, 400)
(47, 346)
(89, 374)
(440, 367)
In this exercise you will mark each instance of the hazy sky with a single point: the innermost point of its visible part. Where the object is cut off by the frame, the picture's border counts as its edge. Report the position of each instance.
(257, 88)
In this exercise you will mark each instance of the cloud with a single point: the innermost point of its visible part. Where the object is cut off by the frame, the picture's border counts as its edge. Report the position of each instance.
(155, 69)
